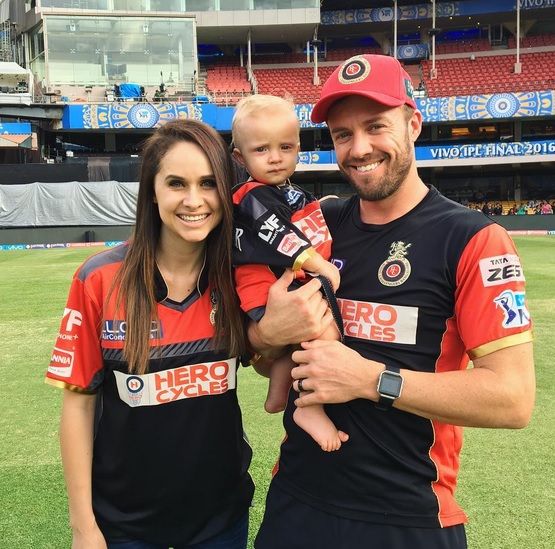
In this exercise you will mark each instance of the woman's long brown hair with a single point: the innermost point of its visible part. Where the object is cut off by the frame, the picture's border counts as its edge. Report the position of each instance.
(134, 282)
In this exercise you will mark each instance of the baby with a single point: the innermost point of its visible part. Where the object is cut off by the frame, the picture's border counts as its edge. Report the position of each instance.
(277, 226)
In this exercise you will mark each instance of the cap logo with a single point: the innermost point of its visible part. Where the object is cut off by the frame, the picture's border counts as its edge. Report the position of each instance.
(354, 70)
(409, 89)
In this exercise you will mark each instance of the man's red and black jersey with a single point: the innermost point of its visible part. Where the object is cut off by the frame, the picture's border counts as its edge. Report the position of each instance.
(170, 458)
(425, 292)
(274, 225)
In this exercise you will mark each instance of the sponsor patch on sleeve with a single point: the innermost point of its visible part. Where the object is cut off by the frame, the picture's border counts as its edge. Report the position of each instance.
(61, 362)
(515, 313)
(290, 244)
(501, 269)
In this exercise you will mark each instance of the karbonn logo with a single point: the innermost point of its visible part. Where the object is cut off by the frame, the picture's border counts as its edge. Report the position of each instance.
(379, 321)
(192, 381)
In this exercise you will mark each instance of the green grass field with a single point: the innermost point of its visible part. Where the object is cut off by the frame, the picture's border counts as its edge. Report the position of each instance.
(507, 479)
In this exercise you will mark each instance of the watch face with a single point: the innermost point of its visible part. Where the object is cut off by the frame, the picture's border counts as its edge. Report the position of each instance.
(390, 384)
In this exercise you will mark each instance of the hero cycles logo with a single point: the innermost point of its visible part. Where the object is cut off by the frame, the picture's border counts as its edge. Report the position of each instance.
(313, 225)
(190, 381)
(379, 321)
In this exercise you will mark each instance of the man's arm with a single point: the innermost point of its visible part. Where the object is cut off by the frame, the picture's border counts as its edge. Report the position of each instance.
(498, 392)
(290, 317)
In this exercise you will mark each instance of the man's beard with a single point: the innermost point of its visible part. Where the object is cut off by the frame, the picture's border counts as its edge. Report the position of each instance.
(389, 182)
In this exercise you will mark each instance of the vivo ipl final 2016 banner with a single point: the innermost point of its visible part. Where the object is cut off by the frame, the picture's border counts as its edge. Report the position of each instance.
(485, 150)
(424, 11)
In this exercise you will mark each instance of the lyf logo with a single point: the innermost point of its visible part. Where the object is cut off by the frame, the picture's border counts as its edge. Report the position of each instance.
(270, 229)
(72, 318)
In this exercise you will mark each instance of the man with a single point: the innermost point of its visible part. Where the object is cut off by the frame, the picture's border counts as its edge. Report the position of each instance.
(426, 285)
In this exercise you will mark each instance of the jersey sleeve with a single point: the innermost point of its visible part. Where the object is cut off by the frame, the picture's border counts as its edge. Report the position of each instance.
(76, 362)
(490, 299)
(264, 231)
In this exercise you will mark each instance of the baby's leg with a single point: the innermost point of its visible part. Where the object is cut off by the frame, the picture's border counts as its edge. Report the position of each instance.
(314, 420)
(279, 384)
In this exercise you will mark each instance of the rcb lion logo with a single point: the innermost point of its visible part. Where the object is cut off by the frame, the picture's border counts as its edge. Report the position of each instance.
(396, 269)
(354, 70)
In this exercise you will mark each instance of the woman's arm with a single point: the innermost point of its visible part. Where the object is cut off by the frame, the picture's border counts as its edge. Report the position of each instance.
(76, 442)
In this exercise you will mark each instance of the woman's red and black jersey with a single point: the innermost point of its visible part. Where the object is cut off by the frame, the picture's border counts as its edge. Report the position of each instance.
(426, 292)
(170, 458)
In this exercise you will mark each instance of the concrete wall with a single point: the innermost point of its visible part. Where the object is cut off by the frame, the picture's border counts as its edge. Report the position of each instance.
(526, 222)
(55, 235)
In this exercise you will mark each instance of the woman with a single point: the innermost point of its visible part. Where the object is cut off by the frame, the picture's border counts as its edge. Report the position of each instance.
(151, 433)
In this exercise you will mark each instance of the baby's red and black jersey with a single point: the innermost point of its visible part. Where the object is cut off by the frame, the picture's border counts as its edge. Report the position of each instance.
(274, 225)
(426, 292)
(170, 458)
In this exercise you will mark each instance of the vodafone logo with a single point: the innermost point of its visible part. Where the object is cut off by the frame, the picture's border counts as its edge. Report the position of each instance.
(191, 381)
(379, 321)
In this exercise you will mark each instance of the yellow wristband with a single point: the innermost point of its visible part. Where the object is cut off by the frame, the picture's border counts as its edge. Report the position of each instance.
(303, 257)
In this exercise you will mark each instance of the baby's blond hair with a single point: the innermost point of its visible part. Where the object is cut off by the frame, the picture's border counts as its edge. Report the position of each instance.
(253, 105)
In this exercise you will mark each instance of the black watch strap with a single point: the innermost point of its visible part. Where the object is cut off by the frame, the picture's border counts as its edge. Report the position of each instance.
(387, 398)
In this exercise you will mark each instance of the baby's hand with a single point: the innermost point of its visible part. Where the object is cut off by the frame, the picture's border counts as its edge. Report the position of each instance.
(331, 272)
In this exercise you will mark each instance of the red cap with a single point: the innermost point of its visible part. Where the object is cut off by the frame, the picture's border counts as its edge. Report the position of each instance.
(378, 77)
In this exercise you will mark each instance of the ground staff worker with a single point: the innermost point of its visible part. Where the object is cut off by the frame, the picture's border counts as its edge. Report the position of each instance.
(152, 440)
(426, 285)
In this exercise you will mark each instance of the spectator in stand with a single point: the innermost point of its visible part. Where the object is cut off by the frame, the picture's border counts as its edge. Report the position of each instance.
(486, 209)
(546, 208)
(511, 211)
(498, 209)
(522, 210)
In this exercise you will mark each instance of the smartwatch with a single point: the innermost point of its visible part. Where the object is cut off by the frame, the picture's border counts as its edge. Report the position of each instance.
(390, 386)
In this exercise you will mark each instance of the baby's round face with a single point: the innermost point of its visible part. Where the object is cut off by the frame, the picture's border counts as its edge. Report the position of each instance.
(268, 146)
